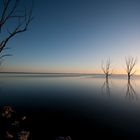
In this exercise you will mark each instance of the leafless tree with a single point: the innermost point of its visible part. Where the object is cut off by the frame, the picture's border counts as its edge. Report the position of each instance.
(106, 68)
(130, 64)
(14, 19)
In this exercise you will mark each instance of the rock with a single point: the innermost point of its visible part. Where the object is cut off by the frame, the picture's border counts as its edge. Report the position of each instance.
(12, 123)
(60, 138)
(23, 118)
(64, 138)
(15, 123)
(23, 135)
(68, 138)
(7, 112)
(9, 136)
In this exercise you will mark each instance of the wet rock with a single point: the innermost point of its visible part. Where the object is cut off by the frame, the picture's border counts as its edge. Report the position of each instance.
(68, 138)
(23, 135)
(9, 136)
(63, 138)
(13, 125)
(24, 118)
(60, 138)
(7, 112)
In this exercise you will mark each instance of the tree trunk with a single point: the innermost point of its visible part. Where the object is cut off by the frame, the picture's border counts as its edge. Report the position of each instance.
(129, 77)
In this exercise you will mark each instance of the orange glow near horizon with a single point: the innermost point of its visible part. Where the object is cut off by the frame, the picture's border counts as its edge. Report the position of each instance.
(65, 70)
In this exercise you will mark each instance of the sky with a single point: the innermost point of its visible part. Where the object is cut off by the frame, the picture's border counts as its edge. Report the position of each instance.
(75, 36)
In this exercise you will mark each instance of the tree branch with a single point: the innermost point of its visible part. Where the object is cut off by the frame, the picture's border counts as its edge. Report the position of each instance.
(22, 20)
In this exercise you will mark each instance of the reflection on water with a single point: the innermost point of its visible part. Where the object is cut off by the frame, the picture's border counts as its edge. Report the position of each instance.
(16, 87)
(61, 103)
(106, 88)
(130, 92)
(130, 95)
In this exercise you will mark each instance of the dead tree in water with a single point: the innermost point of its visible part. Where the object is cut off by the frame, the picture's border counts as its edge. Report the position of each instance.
(130, 64)
(14, 19)
(106, 68)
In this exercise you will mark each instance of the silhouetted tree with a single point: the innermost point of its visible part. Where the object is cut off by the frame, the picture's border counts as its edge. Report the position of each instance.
(130, 64)
(106, 68)
(14, 19)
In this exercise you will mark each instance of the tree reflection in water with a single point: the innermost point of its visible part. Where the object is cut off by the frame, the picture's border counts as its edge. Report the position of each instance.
(106, 88)
(130, 92)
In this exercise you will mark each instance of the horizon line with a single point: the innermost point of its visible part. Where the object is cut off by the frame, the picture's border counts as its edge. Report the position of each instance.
(63, 73)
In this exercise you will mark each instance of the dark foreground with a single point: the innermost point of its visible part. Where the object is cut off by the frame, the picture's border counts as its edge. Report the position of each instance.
(41, 123)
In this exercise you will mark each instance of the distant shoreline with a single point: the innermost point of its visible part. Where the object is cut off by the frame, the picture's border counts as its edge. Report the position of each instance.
(60, 74)
(42, 73)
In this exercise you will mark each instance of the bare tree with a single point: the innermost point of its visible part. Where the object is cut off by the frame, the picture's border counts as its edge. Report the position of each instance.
(106, 68)
(14, 19)
(130, 64)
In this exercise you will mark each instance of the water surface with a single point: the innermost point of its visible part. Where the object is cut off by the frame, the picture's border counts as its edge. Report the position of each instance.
(82, 106)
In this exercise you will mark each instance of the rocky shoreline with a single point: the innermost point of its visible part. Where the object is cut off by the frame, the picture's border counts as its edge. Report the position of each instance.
(14, 125)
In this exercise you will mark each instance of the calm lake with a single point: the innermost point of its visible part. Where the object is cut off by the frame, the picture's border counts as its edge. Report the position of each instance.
(81, 106)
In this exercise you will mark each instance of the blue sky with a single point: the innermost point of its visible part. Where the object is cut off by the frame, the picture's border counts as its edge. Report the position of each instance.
(76, 35)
